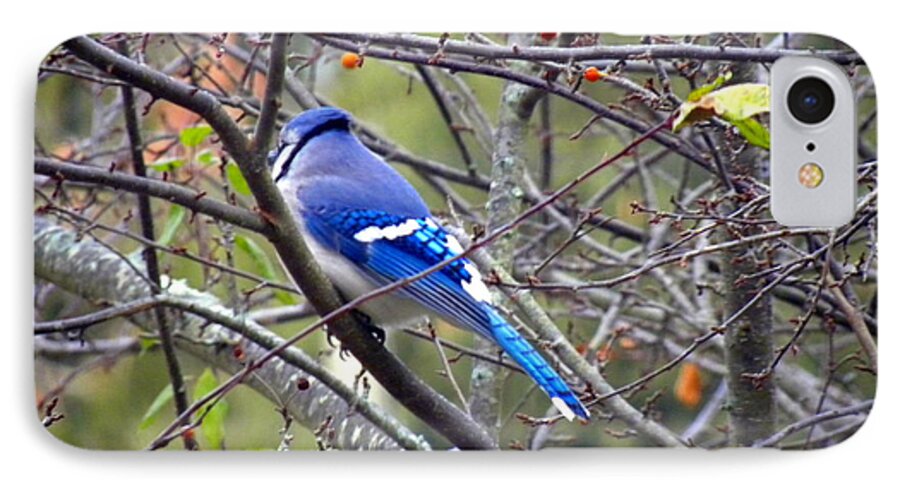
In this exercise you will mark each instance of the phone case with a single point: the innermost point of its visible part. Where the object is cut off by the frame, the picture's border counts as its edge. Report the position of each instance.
(439, 241)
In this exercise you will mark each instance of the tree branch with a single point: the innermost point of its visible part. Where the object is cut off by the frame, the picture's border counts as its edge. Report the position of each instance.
(268, 112)
(858, 409)
(749, 347)
(175, 193)
(668, 140)
(517, 104)
(87, 269)
(397, 379)
(596, 53)
(145, 214)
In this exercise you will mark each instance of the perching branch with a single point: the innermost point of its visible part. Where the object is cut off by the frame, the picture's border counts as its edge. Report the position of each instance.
(405, 386)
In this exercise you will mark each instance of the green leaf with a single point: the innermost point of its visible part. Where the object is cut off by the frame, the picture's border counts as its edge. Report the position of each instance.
(699, 92)
(167, 165)
(213, 425)
(146, 344)
(264, 266)
(236, 179)
(207, 157)
(161, 400)
(193, 137)
(737, 104)
(755, 133)
(176, 216)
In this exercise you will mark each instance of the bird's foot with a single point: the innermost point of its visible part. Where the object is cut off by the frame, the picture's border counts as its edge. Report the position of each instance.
(374, 330)
(334, 342)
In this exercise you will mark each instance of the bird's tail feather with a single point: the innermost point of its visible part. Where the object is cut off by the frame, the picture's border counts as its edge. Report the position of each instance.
(537, 368)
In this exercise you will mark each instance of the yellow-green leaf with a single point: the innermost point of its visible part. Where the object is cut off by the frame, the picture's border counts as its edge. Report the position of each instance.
(737, 104)
(161, 400)
(207, 157)
(213, 426)
(193, 137)
(264, 266)
(167, 165)
(146, 344)
(173, 223)
(236, 179)
(699, 92)
(755, 133)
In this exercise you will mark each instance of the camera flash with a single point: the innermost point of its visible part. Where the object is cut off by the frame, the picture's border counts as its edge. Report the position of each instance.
(810, 175)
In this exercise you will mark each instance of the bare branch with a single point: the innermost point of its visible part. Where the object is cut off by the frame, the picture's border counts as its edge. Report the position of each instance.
(597, 53)
(433, 408)
(89, 270)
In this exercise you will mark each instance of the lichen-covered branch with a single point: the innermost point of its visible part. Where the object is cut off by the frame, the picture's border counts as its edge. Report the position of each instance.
(549, 333)
(517, 103)
(91, 271)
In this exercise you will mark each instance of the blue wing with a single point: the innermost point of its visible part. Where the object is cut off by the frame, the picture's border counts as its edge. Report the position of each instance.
(390, 247)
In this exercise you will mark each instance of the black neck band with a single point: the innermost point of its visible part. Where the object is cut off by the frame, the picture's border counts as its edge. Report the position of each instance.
(331, 125)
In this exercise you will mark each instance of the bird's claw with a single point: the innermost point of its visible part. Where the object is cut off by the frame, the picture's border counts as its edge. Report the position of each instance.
(378, 333)
(374, 330)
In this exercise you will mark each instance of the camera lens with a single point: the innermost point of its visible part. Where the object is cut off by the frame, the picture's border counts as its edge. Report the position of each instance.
(810, 100)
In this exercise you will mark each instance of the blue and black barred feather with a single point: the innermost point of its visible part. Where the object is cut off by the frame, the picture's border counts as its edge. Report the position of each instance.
(387, 260)
(536, 366)
(357, 206)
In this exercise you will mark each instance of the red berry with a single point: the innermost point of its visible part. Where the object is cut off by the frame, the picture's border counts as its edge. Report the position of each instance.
(592, 74)
(238, 352)
(549, 36)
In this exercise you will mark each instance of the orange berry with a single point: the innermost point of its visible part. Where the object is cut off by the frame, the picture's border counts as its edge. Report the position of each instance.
(689, 385)
(627, 343)
(592, 74)
(350, 61)
(549, 36)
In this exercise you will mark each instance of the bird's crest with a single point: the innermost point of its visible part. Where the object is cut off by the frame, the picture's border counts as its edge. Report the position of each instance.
(313, 122)
(300, 130)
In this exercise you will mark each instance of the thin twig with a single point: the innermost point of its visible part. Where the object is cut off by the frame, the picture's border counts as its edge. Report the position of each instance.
(150, 259)
(858, 409)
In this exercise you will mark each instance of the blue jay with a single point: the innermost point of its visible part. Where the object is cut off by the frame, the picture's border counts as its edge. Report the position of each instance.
(368, 227)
